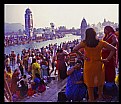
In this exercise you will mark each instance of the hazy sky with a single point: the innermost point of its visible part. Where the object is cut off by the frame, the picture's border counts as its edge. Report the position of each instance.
(69, 15)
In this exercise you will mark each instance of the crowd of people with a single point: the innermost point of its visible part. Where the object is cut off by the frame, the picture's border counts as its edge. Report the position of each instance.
(96, 73)
(41, 61)
(90, 58)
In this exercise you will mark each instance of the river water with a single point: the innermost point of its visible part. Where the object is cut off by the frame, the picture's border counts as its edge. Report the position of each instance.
(19, 48)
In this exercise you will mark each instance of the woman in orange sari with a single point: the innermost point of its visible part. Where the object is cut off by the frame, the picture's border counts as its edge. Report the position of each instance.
(111, 38)
(94, 73)
(15, 79)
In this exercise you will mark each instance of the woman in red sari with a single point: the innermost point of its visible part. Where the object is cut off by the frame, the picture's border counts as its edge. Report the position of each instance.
(111, 38)
(61, 65)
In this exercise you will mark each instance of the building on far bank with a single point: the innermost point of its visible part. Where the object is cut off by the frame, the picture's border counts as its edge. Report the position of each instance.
(52, 28)
(83, 28)
(28, 23)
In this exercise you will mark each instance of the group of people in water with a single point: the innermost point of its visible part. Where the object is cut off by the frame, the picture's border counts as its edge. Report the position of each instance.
(91, 62)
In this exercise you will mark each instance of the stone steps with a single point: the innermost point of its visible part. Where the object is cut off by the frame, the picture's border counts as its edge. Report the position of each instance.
(51, 93)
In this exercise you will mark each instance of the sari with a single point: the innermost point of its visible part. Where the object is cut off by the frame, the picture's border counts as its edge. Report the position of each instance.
(110, 73)
(74, 91)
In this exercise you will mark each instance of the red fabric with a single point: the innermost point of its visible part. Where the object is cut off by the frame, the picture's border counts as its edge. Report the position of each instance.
(42, 88)
(14, 82)
(60, 63)
(18, 93)
(30, 92)
(109, 66)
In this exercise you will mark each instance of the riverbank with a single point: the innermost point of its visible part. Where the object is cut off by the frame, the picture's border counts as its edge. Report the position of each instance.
(32, 45)
(30, 41)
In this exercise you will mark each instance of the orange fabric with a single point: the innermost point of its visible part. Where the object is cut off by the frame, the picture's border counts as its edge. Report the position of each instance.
(30, 92)
(94, 72)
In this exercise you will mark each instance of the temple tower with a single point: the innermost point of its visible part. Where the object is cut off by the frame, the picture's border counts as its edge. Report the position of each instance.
(28, 23)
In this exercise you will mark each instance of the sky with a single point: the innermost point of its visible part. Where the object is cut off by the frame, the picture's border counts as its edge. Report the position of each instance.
(69, 15)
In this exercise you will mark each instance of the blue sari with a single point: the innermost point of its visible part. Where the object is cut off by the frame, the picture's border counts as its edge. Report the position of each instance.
(75, 92)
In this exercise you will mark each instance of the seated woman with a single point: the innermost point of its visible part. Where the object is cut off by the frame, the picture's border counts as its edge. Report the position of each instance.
(23, 89)
(9, 74)
(36, 83)
(75, 88)
(15, 79)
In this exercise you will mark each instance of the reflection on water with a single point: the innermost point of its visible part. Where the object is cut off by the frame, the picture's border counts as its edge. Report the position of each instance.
(18, 48)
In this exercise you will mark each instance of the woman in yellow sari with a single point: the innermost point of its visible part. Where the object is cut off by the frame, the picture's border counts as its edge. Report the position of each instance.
(35, 68)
